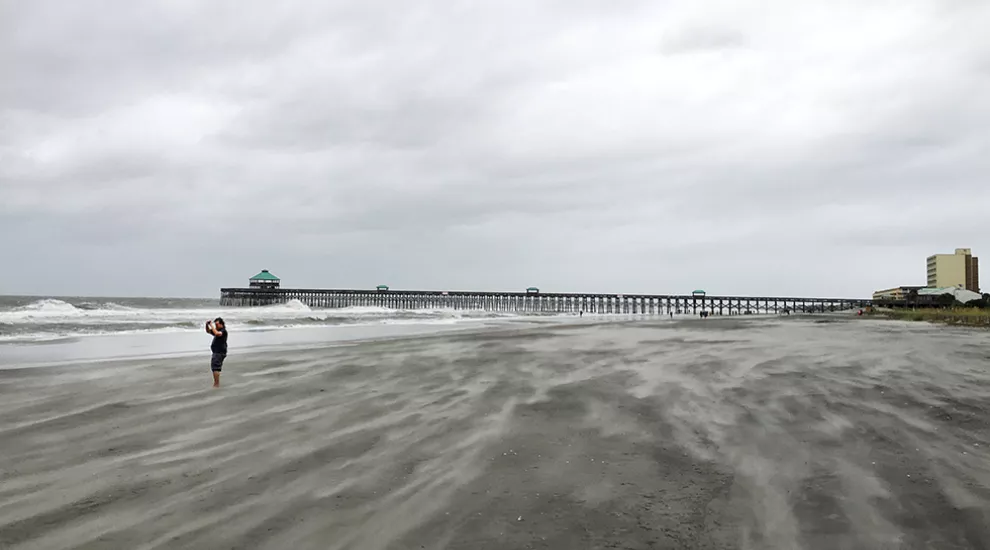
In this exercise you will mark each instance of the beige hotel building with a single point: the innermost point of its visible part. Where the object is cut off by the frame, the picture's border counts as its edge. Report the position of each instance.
(959, 270)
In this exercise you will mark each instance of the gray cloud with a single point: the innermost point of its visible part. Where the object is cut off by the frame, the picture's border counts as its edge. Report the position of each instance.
(701, 40)
(170, 148)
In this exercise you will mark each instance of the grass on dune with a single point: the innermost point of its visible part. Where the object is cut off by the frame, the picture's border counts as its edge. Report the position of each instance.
(970, 316)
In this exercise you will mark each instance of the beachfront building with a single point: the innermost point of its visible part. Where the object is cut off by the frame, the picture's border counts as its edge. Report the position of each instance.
(898, 293)
(264, 280)
(934, 295)
(959, 270)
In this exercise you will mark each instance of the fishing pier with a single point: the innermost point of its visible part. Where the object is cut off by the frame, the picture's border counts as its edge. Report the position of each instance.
(265, 289)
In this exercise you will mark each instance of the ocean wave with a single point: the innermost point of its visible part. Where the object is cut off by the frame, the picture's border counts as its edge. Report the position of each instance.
(47, 306)
(54, 309)
(291, 305)
(55, 318)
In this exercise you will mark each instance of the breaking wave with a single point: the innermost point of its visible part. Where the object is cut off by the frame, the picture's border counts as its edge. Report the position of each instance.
(51, 318)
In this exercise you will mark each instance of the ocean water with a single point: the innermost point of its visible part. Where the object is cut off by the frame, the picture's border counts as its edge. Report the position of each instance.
(44, 330)
(33, 319)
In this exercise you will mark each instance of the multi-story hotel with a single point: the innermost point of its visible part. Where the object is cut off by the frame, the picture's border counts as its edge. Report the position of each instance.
(959, 270)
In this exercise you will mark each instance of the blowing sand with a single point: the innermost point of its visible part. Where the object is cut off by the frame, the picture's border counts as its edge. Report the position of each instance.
(717, 434)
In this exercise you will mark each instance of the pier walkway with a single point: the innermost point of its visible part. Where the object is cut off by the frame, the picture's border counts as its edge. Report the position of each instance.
(536, 302)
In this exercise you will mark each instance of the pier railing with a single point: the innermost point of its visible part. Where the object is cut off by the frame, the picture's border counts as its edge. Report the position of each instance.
(541, 302)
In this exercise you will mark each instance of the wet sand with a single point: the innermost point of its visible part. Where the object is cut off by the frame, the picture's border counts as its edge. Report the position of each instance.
(717, 434)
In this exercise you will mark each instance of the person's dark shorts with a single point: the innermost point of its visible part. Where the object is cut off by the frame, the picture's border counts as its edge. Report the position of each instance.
(216, 364)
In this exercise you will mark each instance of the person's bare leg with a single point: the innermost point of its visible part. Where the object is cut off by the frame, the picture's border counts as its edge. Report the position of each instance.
(216, 379)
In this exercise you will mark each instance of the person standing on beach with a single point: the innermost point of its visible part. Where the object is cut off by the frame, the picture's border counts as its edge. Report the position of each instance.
(219, 347)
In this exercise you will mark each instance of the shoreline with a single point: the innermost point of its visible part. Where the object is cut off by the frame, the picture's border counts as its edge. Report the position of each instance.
(84, 349)
(152, 345)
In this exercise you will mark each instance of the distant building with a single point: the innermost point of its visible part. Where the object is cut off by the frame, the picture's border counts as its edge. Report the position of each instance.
(899, 293)
(959, 270)
(264, 280)
(931, 295)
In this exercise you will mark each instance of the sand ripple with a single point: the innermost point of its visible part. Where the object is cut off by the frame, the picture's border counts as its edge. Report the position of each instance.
(756, 433)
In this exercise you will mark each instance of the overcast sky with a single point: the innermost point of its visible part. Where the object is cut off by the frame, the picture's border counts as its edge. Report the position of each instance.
(781, 147)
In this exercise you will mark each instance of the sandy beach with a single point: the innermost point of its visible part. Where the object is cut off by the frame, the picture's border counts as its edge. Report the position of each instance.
(815, 433)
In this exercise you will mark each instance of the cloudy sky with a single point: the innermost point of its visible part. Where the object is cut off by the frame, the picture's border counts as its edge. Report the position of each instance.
(169, 148)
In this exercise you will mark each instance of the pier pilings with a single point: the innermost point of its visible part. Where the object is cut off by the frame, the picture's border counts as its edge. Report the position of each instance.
(535, 303)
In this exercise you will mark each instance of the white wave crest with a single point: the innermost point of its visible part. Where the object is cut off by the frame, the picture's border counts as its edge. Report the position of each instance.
(291, 305)
(52, 317)
(48, 306)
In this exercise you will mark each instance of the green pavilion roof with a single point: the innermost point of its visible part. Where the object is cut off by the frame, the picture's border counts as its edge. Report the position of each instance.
(264, 276)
